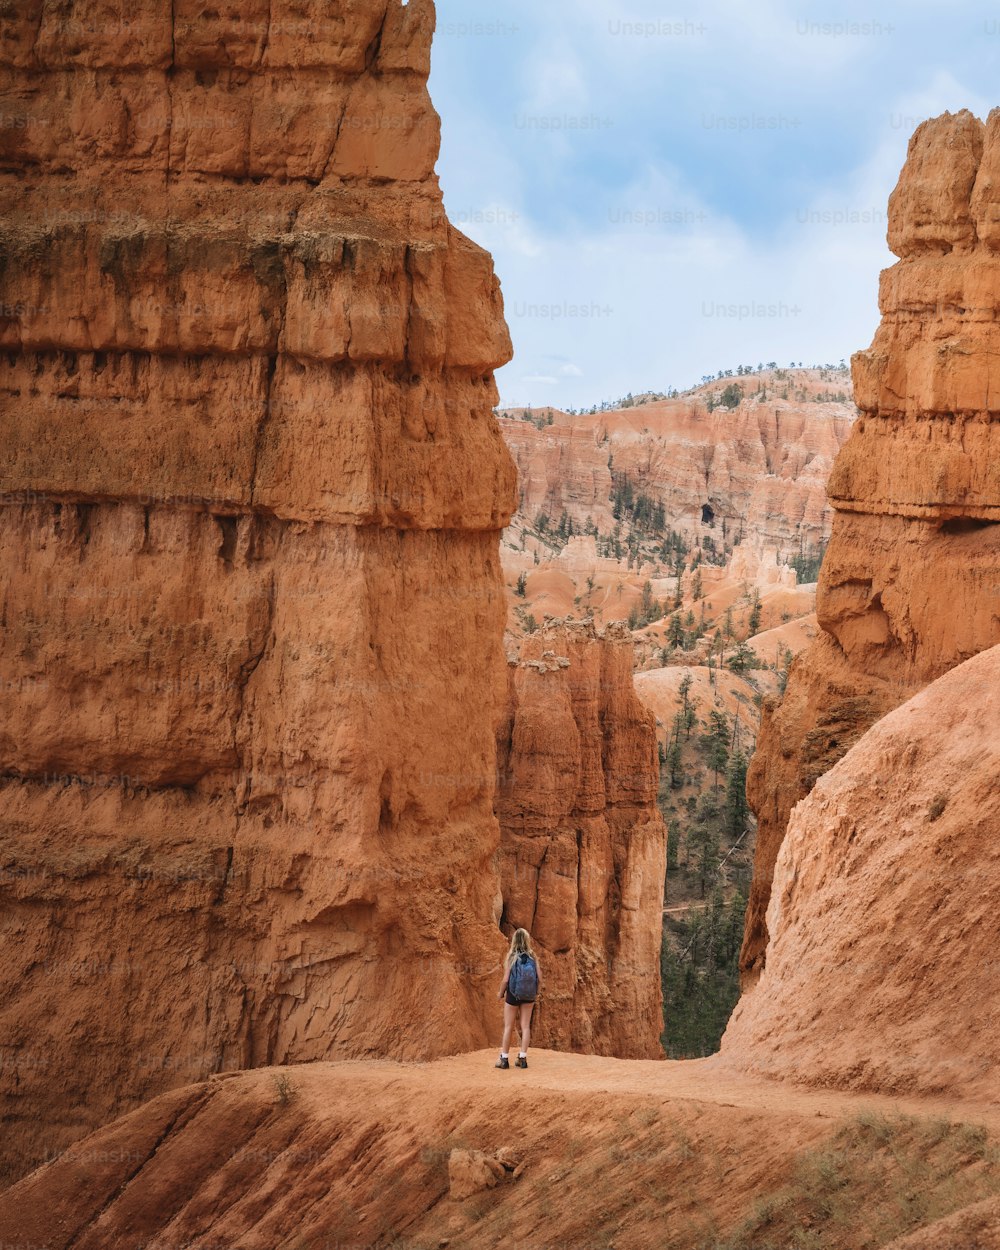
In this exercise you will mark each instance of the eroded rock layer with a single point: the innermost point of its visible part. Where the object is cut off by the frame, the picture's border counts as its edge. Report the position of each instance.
(582, 841)
(251, 662)
(880, 974)
(910, 585)
(759, 469)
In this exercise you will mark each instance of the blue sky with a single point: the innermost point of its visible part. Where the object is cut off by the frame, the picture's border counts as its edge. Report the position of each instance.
(669, 192)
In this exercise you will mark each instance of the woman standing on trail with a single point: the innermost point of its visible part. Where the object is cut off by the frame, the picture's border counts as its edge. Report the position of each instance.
(521, 984)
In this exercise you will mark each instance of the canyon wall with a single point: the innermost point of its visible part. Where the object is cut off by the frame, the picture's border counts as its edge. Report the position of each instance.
(582, 841)
(881, 972)
(910, 586)
(761, 467)
(251, 660)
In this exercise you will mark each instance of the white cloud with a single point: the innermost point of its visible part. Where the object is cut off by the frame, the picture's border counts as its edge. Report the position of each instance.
(554, 83)
(660, 251)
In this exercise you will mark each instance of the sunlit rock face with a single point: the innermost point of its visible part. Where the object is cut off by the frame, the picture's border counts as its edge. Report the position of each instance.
(882, 916)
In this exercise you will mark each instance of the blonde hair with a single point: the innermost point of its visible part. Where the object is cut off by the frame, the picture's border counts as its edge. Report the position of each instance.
(520, 944)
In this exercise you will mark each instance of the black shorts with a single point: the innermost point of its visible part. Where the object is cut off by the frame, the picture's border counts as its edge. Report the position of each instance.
(516, 1002)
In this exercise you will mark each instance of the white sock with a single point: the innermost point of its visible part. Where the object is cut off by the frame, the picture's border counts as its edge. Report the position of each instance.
(504, 1054)
(523, 1054)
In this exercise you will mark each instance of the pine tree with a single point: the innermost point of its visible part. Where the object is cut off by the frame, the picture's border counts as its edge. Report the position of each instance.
(743, 658)
(647, 604)
(673, 843)
(687, 709)
(706, 846)
(716, 743)
(754, 623)
(735, 924)
(785, 669)
(737, 809)
(674, 759)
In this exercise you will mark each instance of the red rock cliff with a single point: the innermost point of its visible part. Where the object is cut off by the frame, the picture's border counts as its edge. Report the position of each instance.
(910, 585)
(251, 656)
(583, 844)
(881, 973)
(762, 467)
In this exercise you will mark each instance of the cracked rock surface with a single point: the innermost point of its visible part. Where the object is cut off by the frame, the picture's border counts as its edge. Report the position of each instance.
(251, 492)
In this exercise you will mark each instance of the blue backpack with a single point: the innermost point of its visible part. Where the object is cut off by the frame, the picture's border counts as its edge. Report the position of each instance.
(522, 983)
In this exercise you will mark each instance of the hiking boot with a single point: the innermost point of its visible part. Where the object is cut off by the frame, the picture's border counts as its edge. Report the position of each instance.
(502, 1063)
(522, 1061)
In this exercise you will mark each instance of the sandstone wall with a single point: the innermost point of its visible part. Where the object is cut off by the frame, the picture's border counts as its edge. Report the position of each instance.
(910, 585)
(762, 467)
(881, 971)
(250, 661)
(582, 841)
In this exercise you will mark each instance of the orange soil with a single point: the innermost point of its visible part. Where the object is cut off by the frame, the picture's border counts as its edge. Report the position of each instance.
(631, 1154)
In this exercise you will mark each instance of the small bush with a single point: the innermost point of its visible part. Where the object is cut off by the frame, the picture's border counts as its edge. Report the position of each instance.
(971, 1140)
(871, 1126)
(284, 1089)
(874, 1180)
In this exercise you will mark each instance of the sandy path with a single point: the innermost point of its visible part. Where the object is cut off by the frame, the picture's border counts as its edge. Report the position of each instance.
(692, 1080)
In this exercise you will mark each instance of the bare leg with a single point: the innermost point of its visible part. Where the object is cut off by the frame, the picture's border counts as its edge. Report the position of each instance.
(509, 1015)
(526, 1010)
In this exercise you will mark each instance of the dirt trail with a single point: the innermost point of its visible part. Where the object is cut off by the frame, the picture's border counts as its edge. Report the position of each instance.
(629, 1154)
(689, 1080)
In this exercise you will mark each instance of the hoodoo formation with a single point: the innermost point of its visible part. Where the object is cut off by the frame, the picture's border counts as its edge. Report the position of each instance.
(910, 586)
(582, 840)
(251, 659)
(270, 798)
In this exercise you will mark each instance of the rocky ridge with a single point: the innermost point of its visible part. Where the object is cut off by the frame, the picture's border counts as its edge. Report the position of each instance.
(759, 467)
